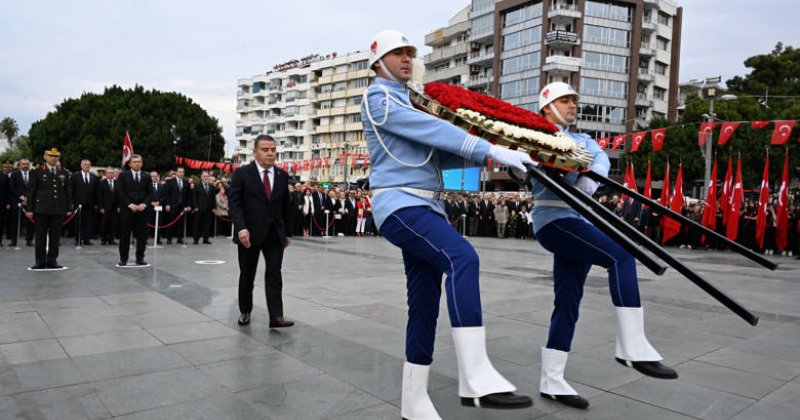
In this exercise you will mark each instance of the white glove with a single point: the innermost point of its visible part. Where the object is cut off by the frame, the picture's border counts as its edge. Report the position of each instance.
(587, 185)
(516, 160)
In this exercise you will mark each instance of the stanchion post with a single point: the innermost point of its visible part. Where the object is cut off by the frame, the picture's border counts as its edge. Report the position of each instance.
(157, 209)
(19, 224)
(185, 239)
(327, 215)
(79, 227)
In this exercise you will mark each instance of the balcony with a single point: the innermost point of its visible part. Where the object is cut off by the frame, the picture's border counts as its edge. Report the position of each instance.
(448, 33)
(646, 49)
(485, 35)
(646, 75)
(479, 80)
(648, 25)
(562, 64)
(446, 53)
(481, 58)
(652, 4)
(563, 13)
(561, 39)
(643, 100)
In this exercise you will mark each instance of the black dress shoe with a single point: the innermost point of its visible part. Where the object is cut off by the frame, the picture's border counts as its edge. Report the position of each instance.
(121, 263)
(29, 243)
(206, 242)
(279, 322)
(653, 369)
(195, 242)
(180, 241)
(575, 401)
(55, 266)
(38, 267)
(87, 242)
(169, 241)
(244, 319)
(13, 243)
(499, 400)
(141, 262)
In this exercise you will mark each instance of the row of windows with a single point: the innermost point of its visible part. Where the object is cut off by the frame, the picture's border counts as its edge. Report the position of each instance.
(522, 38)
(517, 88)
(522, 14)
(340, 86)
(520, 63)
(355, 100)
(606, 62)
(601, 113)
(340, 119)
(607, 10)
(342, 68)
(606, 36)
(601, 87)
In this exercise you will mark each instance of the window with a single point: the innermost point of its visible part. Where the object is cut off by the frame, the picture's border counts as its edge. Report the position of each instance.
(259, 86)
(325, 105)
(608, 11)
(522, 38)
(663, 18)
(354, 118)
(359, 65)
(339, 86)
(519, 88)
(339, 103)
(327, 71)
(356, 100)
(661, 68)
(659, 93)
(607, 36)
(520, 63)
(326, 89)
(606, 88)
(483, 25)
(605, 62)
(460, 61)
(522, 13)
(662, 43)
(359, 83)
(342, 68)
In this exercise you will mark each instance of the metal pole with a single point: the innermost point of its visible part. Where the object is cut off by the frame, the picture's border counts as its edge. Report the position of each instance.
(709, 147)
(327, 214)
(79, 227)
(155, 235)
(19, 223)
(185, 239)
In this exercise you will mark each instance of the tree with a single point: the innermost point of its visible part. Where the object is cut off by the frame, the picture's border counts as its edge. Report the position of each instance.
(93, 127)
(18, 152)
(10, 129)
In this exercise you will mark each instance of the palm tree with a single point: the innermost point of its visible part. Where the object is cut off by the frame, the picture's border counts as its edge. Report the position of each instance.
(10, 129)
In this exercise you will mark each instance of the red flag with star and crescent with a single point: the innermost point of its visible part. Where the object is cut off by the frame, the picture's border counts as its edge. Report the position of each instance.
(737, 196)
(637, 140)
(727, 189)
(658, 138)
(672, 227)
(705, 132)
(763, 200)
(782, 209)
(618, 140)
(783, 129)
(127, 149)
(709, 218)
(726, 131)
(603, 142)
(648, 184)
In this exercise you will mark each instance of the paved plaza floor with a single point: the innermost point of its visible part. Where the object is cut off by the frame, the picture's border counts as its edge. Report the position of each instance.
(96, 342)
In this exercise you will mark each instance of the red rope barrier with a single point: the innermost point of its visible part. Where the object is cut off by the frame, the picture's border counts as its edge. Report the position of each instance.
(224, 219)
(170, 223)
(32, 220)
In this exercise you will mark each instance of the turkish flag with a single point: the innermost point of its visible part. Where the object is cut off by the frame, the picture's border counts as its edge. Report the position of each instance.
(353, 161)
(783, 129)
(127, 149)
(763, 200)
(327, 162)
(637, 140)
(709, 219)
(705, 131)
(603, 142)
(727, 189)
(658, 138)
(758, 124)
(672, 227)
(737, 196)
(366, 161)
(782, 210)
(726, 131)
(648, 183)
(618, 140)
(664, 199)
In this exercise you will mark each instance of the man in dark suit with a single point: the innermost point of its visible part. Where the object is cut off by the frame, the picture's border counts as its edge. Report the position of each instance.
(48, 200)
(4, 192)
(18, 184)
(108, 203)
(135, 193)
(318, 196)
(176, 198)
(84, 193)
(158, 190)
(261, 210)
(204, 203)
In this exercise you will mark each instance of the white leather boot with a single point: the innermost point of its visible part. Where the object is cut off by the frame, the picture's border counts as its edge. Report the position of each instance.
(633, 349)
(552, 384)
(415, 403)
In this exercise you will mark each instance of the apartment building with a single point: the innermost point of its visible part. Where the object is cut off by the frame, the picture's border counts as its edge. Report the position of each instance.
(311, 106)
(447, 62)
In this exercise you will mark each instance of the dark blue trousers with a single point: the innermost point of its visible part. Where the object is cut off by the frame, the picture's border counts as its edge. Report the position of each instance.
(432, 247)
(577, 245)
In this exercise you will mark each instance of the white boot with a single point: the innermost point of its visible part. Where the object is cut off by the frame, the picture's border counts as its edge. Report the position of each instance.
(552, 380)
(476, 375)
(415, 403)
(632, 344)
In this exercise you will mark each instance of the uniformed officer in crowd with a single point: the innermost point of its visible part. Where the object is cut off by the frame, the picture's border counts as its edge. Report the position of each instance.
(49, 200)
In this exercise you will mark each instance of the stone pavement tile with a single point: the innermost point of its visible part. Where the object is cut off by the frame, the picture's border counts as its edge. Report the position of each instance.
(258, 371)
(107, 342)
(84, 324)
(518, 350)
(787, 396)
(78, 402)
(146, 307)
(218, 349)
(149, 296)
(38, 376)
(766, 411)
(369, 333)
(787, 333)
(221, 405)
(384, 411)
(159, 389)
(22, 326)
(311, 398)
(88, 302)
(117, 364)
(169, 317)
(12, 307)
(615, 407)
(602, 374)
(173, 334)
(686, 398)
(768, 349)
(733, 381)
(374, 310)
(321, 315)
(540, 317)
(336, 357)
(682, 341)
(753, 363)
(30, 351)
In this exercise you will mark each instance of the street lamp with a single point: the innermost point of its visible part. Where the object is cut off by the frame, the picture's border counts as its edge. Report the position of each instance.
(709, 87)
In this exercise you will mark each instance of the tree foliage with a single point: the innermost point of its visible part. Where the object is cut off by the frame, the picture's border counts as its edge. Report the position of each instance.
(777, 73)
(93, 127)
(10, 129)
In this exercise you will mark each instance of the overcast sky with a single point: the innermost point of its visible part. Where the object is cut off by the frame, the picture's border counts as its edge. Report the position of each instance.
(55, 49)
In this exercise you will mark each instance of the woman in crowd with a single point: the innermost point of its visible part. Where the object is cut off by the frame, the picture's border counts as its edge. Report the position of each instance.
(501, 217)
(308, 211)
(362, 206)
(221, 211)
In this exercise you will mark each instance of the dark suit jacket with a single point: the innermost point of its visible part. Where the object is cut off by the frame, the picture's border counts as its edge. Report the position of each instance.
(16, 186)
(108, 199)
(130, 192)
(4, 191)
(175, 197)
(82, 193)
(49, 194)
(250, 209)
(204, 201)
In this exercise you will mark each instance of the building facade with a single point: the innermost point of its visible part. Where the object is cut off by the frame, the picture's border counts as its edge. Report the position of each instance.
(447, 62)
(311, 106)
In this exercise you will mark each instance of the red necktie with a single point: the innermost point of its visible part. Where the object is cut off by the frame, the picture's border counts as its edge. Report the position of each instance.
(267, 188)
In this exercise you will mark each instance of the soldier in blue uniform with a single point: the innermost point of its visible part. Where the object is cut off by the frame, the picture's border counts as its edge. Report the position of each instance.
(576, 246)
(49, 200)
(408, 151)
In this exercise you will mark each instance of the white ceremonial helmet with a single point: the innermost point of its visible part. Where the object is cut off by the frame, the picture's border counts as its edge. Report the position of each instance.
(553, 91)
(386, 41)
